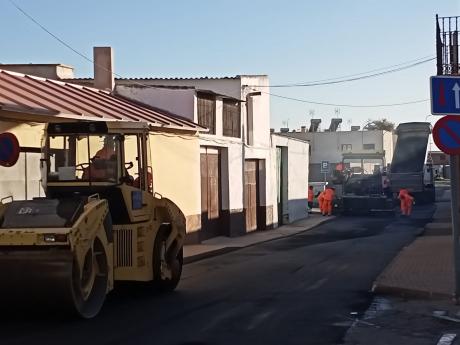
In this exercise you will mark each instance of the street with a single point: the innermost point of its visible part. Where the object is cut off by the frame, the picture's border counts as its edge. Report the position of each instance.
(297, 290)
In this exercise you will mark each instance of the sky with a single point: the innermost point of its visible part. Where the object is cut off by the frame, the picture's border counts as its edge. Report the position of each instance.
(291, 41)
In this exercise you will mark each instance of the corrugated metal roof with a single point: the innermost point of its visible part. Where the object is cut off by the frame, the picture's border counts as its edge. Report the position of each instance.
(25, 93)
(176, 78)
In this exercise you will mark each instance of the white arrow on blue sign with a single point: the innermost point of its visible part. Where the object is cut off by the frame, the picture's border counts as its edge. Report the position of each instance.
(445, 95)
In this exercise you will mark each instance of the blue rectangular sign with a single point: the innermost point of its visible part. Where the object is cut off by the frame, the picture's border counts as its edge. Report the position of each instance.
(445, 95)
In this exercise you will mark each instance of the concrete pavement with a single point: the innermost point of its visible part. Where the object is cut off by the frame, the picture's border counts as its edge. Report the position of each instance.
(221, 244)
(425, 267)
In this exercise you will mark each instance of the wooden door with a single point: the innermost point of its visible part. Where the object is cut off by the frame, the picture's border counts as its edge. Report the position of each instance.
(210, 195)
(250, 194)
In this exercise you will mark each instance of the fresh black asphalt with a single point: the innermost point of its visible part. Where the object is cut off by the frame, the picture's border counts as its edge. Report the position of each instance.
(297, 290)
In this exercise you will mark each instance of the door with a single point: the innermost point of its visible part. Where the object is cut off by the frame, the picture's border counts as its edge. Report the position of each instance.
(250, 194)
(210, 194)
(279, 184)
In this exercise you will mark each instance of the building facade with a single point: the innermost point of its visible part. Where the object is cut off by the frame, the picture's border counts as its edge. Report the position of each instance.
(247, 179)
(330, 146)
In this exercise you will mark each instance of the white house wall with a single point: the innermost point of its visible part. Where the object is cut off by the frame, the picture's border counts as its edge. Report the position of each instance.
(177, 101)
(297, 177)
(226, 86)
(260, 106)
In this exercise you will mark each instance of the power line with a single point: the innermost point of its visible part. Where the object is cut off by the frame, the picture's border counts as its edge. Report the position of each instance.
(274, 95)
(49, 32)
(308, 84)
(358, 74)
(64, 43)
(347, 105)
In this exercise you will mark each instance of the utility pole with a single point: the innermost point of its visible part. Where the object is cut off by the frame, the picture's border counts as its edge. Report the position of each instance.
(447, 63)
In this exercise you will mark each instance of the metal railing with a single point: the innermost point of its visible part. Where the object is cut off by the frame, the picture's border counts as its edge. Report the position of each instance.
(447, 45)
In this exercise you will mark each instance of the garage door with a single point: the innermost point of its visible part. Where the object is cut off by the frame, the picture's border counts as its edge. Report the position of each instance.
(210, 194)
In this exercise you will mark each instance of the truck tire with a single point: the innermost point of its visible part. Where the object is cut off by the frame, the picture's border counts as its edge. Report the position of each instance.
(166, 275)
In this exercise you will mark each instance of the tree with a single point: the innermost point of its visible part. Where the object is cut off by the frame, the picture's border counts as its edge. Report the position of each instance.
(382, 125)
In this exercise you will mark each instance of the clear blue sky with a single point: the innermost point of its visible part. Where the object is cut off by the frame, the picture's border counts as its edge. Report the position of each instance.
(291, 41)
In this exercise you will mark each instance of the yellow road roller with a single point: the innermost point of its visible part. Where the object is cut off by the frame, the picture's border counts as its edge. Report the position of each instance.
(100, 221)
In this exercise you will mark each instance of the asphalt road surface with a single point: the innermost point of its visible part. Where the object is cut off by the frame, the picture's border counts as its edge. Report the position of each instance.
(297, 290)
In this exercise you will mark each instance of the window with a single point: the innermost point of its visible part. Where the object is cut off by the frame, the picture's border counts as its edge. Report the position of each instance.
(369, 146)
(231, 118)
(346, 147)
(206, 108)
(84, 157)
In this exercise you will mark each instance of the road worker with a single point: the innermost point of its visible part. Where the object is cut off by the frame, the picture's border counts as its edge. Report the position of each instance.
(406, 201)
(329, 195)
(321, 202)
(99, 169)
(310, 198)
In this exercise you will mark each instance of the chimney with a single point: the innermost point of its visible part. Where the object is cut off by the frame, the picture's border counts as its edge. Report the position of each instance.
(284, 130)
(314, 125)
(303, 129)
(103, 68)
(335, 123)
(272, 130)
(355, 128)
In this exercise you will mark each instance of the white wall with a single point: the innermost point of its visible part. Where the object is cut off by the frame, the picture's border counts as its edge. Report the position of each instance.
(22, 181)
(260, 106)
(388, 146)
(236, 153)
(226, 86)
(327, 146)
(177, 101)
(297, 180)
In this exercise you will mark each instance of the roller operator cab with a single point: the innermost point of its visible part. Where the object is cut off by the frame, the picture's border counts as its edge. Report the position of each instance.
(100, 222)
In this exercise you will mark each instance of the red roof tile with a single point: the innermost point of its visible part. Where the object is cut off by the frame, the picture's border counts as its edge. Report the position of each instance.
(20, 92)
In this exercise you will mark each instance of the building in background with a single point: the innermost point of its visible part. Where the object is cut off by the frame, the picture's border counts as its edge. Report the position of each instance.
(330, 145)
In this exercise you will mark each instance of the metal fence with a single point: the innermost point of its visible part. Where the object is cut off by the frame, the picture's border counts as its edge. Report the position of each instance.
(447, 45)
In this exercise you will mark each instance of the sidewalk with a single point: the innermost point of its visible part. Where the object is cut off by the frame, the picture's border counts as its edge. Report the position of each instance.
(425, 267)
(220, 245)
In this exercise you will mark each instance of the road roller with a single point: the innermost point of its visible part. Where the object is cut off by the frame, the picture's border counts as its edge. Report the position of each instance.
(100, 222)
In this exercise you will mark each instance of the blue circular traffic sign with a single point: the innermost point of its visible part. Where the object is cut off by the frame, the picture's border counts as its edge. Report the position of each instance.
(9, 149)
(446, 134)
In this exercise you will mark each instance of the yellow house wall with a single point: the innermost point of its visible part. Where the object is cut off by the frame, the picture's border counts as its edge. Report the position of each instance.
(29, 135)
(176, 173)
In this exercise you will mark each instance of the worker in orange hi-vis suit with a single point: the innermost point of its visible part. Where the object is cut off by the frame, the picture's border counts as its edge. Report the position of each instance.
(329, 194)
(321, 202)
(406, 201)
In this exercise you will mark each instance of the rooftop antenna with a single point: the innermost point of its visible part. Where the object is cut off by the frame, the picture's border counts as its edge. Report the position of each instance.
(349, 122)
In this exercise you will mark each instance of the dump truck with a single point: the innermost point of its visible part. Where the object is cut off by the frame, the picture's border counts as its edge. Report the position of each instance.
(408, 169)
(358, 185)
(101, 221)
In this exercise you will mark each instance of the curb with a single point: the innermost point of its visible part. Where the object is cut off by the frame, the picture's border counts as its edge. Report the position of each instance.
(383, 289)
(405, 292)
(225, 250)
